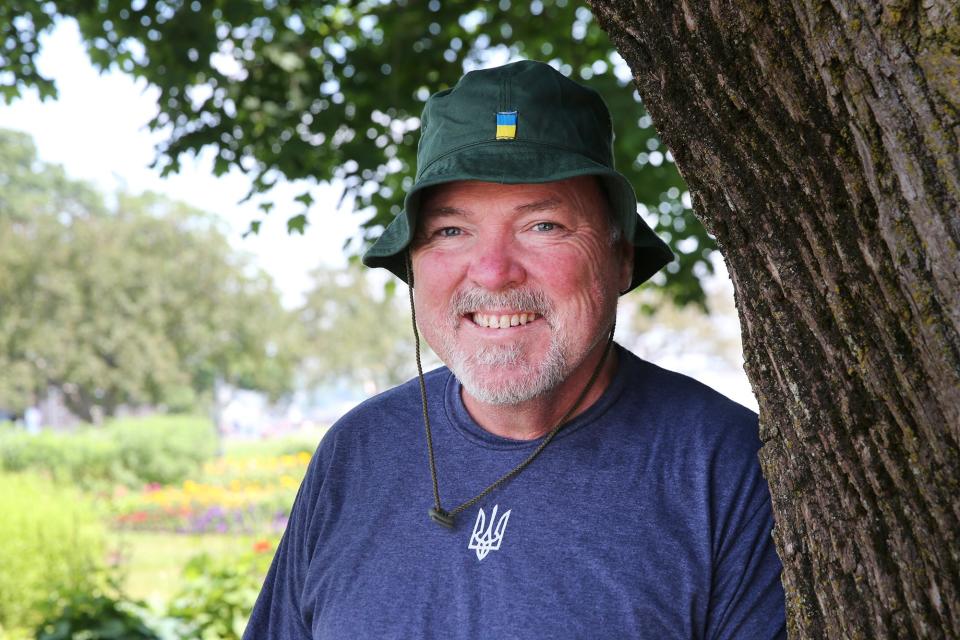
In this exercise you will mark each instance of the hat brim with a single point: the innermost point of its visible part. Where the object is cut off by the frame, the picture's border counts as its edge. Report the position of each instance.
(525, 163)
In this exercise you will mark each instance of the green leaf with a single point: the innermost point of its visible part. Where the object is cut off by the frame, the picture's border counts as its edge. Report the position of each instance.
(305, 198)
(254, 228)
(296, 224)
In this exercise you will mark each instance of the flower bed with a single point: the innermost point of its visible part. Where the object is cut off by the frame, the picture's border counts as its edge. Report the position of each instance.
(248, 495)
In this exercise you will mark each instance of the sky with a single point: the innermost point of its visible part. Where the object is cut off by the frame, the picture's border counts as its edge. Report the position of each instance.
(97, 130)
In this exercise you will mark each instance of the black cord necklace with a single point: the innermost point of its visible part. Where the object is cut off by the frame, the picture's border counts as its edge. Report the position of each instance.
(437, 513)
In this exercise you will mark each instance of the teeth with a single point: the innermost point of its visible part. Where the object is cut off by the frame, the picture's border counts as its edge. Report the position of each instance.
(503, 321)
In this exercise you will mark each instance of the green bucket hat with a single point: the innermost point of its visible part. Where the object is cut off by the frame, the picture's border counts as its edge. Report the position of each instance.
(521, 123)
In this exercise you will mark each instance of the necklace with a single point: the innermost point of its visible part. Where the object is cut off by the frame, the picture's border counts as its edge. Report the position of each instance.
(437, 513)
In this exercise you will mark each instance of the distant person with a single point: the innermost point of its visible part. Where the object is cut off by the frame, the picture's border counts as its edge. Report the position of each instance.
(31, 420)
(547, 483)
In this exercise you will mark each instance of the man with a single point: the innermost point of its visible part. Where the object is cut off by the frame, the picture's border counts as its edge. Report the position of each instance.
(548, 484)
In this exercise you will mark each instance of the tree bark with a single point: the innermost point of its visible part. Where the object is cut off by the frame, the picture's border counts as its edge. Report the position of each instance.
(820, 144)
(77, 401)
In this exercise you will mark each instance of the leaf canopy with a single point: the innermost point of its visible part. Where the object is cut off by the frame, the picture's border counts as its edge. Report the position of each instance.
(332, 91)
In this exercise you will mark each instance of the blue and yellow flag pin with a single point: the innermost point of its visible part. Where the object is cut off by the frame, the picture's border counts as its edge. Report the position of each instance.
(506, 125)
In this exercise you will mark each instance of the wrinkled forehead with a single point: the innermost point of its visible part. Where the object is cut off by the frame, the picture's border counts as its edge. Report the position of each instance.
(585, 193)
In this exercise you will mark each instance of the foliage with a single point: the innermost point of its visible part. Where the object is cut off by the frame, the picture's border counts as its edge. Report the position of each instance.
(163, 449)
(51, 574)
(322, 91)
(97, 614)
(149, 564)
(87, 460)
(139, 302)
(214, 603)
(353, 334)
(218, 596)
(130, 452)
(52, 540)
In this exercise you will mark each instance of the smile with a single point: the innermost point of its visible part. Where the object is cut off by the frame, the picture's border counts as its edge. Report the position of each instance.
(502, 321)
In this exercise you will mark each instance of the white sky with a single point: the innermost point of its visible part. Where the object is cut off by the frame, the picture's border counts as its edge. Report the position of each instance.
(97, 130)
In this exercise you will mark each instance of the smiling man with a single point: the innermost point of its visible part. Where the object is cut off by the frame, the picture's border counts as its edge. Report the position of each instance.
(546, 483)
(517, 287)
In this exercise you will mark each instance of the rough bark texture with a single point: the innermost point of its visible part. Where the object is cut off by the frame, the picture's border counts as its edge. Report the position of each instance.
(820, 142)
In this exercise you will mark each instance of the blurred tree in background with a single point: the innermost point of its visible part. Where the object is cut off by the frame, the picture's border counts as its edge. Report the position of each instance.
(354, 333)
(132, 300)
(332, 91)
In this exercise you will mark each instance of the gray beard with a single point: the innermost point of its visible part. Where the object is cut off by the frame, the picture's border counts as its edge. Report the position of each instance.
(470, 368)
(533, 382)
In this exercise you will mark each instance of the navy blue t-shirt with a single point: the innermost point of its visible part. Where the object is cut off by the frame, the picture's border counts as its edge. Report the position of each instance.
(646, 517)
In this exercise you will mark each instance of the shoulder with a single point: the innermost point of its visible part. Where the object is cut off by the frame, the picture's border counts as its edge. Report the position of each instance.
(706, 443)
(685, 416)
(679, 398)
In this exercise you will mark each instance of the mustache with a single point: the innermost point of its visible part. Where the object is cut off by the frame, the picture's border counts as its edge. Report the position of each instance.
(471, 300)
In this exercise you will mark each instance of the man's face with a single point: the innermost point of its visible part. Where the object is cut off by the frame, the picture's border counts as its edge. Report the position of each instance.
(516, 285)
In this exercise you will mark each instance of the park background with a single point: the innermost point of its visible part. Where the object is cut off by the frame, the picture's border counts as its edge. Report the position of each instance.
(151, 486)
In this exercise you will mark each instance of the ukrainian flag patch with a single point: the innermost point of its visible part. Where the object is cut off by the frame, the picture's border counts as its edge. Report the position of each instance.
(506, 125)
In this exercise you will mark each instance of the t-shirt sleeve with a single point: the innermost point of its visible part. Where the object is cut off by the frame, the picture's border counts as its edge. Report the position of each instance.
(747, 598)
(277, 614)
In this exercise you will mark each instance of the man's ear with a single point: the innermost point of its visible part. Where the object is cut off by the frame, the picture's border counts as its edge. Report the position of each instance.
(625, 249)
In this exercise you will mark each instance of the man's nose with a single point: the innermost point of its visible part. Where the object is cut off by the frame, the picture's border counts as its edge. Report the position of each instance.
(495, 264)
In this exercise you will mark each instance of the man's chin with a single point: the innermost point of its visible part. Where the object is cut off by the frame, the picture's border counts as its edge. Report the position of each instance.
(492, 385)
(499, 395)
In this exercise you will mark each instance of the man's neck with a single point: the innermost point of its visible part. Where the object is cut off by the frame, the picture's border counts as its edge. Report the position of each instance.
(536, 417)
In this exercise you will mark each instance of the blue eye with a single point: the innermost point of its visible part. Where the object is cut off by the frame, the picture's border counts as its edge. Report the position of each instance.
(545, 226)
(448, 232)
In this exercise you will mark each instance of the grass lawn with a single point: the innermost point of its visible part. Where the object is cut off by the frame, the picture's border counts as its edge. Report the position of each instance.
(153, 562)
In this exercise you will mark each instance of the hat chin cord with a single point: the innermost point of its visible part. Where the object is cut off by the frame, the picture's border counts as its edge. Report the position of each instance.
(437, 513)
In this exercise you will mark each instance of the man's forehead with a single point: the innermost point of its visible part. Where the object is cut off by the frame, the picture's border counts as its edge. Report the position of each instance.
(454, 197)
(450, 205)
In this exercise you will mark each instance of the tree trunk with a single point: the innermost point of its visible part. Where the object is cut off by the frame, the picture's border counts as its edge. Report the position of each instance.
(79, 403)
(820, 143)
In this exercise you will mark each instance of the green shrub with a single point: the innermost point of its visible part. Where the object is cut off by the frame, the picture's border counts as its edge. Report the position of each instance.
(87, 459)
(164, 449)
(97, 614)
(218, 596)
(51, 540)
(214, 602)
(132, 452)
